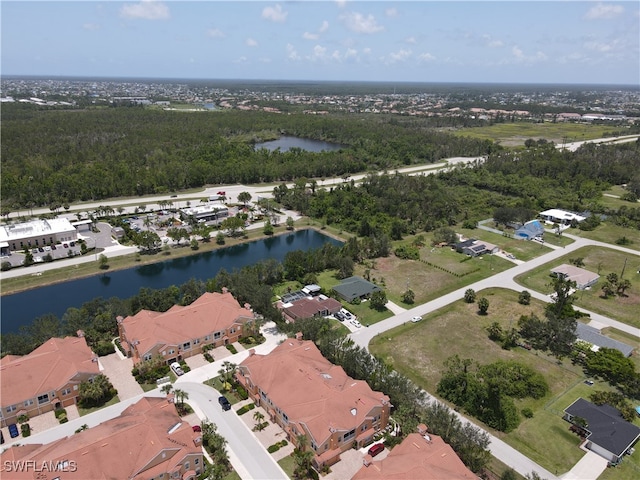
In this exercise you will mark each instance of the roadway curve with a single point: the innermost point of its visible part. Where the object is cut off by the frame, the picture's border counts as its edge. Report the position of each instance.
(499, 449)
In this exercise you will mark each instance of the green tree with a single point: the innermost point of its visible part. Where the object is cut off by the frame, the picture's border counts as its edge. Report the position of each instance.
(259, 417)
(104, 261)
(148, 241)
(409, 297)
(220, 238)
(483, 305)
(469, 295)
(290, 223)
(524, 298)
(495, 332)
(268, 228)
(378, 300)
(303, 459)
(95, 392)
(244, 197)
(234, 225)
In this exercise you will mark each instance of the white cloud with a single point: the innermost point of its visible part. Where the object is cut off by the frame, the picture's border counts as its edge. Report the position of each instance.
(426, 57)
(310, 36)
(324, 27)
(215, 33)
(250, 42)
(391, 12)
(265, 60)
(602, 47)
(91, 26)
(275, 14)
(520, 57)
(492, 42)
(604, 11)
(399, 56)
(411, 40)
(146, 9)
(240, 60)
(292, 54)
(341, 3)
(360, 23)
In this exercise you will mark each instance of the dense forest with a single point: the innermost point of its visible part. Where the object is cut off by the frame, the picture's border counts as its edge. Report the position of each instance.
(61, 156)
(535, 179)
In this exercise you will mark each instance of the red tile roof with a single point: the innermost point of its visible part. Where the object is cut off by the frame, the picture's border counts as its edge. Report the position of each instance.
(137, 444)
(49, 367)
(417, 458)
(212, 312)
(311, 390)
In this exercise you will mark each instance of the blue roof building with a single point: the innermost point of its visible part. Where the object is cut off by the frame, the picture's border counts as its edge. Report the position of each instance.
(529, 230)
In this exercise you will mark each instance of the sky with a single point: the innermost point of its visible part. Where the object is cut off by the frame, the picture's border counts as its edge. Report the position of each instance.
(594, 42)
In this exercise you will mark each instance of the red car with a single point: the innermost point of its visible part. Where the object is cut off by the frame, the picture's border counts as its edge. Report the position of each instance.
(376, 449)
(196, 428)
(221, 193)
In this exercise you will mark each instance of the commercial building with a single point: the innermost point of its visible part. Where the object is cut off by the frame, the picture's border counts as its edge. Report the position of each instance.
(45, 379)
(307, 395)
(205, 213)
(181, 332)
(147, 441)
(36, 233)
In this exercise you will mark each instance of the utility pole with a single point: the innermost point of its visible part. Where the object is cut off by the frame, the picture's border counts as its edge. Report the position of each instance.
(623, 268)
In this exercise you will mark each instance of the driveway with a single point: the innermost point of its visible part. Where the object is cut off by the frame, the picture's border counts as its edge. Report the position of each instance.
(589, 467)
(118, 371)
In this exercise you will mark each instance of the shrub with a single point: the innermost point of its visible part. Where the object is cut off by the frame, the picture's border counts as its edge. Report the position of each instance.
(5, 266)
(273, 448)
(231, 348)
(103, 347)
(524, 298)
(26, 429)
(407, 252)
(248, 407)
(207, 356)
(470, 295)
(242, 392)
(59, 412)
(527, 413)
(63, 418)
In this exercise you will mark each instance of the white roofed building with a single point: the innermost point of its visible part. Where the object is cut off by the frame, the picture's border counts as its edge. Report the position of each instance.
(37, 233)
(561, 217)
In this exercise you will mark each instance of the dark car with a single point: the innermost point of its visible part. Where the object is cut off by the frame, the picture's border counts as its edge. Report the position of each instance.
(73, 244)
(53, 247)
(1, 438)
(13, 430)
(224, 403)
(376, 449)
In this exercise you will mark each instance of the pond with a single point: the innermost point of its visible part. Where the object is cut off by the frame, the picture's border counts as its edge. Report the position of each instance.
(287, 142)
(21, 308)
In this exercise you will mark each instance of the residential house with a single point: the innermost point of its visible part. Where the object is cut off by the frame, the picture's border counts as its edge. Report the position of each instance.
(307, 395)
(36, 233)
(583, 278)
(529, 230)
(309, 307)
(475, 248)
(355, 287)
(561, 217)
(45, 379)
(606, 432)
(181, 332)
(147, 441)
(591, 335)
(420, 455)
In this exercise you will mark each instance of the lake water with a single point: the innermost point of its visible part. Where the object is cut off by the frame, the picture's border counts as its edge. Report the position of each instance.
(21, 308)
(287, 142)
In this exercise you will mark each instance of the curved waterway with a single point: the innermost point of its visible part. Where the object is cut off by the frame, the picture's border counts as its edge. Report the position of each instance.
(287, 142)
(21, 308)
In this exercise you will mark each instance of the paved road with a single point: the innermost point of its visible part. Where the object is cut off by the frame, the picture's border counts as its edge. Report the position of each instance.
(498, 448)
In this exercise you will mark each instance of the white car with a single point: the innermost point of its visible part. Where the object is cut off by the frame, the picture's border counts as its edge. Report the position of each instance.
(175, 366)
(416, 319)
(356, 323)
(347, 314)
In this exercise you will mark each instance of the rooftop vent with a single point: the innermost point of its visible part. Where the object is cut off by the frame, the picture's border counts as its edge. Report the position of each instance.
(354, 411)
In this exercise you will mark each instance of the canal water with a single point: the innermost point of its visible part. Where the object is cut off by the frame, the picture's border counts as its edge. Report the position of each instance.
(21, 308)
(287, 142)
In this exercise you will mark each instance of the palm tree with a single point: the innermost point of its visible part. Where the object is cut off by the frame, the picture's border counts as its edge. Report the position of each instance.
(259, 417)
(181, 396)
(303, 458)
(166, 388)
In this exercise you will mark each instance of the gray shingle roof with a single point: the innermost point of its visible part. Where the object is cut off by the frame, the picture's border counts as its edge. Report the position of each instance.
(593, 336)
(608, 429)
(355, 287)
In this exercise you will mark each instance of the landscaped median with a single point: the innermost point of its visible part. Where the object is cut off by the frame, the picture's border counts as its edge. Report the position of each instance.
(602, 261)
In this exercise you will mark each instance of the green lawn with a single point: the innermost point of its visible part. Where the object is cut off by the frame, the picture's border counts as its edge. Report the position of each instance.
(419, 351)
(288, 464)
(609, 233)
(602, 261)
(523, 250)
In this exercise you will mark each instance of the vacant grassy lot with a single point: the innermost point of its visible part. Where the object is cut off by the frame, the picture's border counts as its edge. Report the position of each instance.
(419, 350)
(513, 134)
(602, 261)
(609, 233)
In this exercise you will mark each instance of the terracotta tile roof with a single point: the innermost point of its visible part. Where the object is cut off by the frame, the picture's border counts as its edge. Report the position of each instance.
(49, 367)
(311, 390)
(210, 313)
(416, 458)
(137, 444)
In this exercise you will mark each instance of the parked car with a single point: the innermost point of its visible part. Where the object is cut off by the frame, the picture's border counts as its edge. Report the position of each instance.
(47, 248)
(222, 193)
(34, 250)
(72, 244)
(40, 249)
(1, 437)
(53, 247)
(65, 245)
(13, 430)
(175, 366)
(339, 316)
(376, 449)
(356, 323)
(224, 403)
(196, 428)
(416, 319)
(589, 382)
(347, 314)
